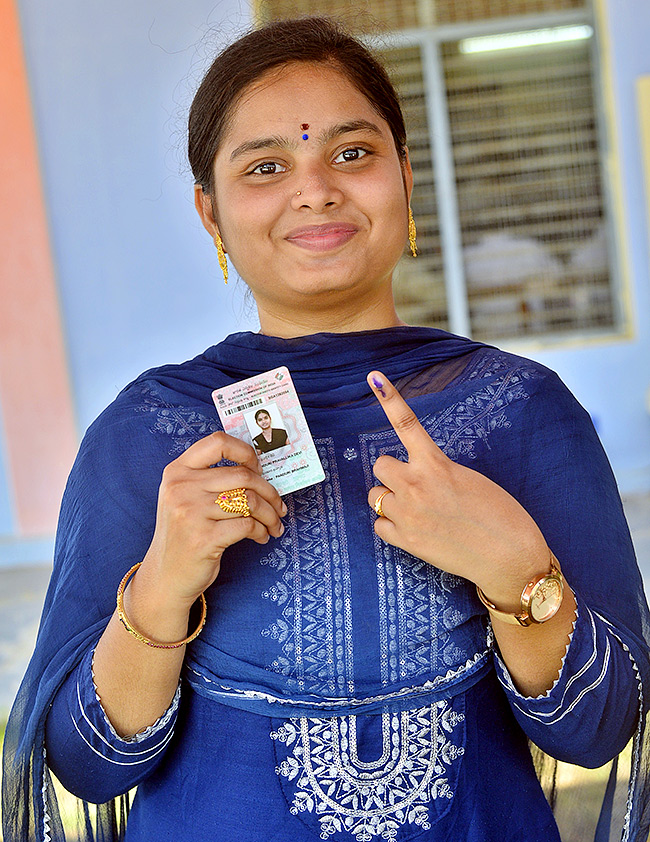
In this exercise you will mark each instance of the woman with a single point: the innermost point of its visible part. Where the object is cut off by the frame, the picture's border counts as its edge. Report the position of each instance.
(379, 650)
(271, 437)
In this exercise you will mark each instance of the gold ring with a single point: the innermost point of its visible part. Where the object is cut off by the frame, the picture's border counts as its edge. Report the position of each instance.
(234, 502)
(377, 507)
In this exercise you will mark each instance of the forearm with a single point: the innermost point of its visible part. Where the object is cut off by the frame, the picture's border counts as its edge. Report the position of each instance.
(533, 654)
(137, 682)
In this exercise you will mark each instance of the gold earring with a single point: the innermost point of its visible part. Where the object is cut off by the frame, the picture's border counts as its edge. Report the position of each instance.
(221, 254)
(412, 234)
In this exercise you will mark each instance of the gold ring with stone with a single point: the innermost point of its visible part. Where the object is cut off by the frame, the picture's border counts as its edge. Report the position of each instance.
(234, 502)
(377, 507)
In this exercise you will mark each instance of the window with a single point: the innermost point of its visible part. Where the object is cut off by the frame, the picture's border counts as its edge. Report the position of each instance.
(504, 135)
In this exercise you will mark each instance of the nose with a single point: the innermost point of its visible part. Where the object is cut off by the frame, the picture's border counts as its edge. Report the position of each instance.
(317, 191)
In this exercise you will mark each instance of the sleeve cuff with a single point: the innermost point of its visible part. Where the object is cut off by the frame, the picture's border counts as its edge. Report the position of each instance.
(95, 729)
(584, 673)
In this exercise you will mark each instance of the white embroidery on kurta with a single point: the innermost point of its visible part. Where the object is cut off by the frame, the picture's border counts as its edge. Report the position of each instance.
(477, 664)
(460, 427)
(426, 622)
(371, 799)
(417, 617)
(422, 627)
(314, 628)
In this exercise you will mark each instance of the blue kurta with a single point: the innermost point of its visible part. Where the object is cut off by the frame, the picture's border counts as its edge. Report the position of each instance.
(343, 689)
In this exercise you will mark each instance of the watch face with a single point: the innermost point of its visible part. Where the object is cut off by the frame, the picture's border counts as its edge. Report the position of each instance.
(546, 598)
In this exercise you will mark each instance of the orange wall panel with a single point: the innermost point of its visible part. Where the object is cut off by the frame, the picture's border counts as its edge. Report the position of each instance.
(38, 418)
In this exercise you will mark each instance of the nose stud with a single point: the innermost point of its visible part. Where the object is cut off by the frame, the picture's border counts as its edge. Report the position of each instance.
(299, 193)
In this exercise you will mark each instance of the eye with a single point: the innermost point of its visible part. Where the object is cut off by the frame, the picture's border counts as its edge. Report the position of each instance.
(268, 168)
(353, 153)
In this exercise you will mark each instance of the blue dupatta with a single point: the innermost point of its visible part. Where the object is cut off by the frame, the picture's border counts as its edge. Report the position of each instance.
(108, 517)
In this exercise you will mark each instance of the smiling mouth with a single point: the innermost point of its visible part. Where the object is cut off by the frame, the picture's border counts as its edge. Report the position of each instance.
(322, 237)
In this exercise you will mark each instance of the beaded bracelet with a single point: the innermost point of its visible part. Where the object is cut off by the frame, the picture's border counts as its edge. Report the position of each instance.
(127, 625)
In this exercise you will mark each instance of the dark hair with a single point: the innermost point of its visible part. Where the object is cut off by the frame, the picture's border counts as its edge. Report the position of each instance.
(262, 412)
(308, 39)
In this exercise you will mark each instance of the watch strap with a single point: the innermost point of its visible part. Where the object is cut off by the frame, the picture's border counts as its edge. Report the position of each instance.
(504, 616)
(523, 617)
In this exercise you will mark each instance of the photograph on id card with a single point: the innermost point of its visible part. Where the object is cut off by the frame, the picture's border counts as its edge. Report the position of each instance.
(265, 411)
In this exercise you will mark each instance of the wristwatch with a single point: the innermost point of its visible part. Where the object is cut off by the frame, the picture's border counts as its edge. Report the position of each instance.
(540, 599)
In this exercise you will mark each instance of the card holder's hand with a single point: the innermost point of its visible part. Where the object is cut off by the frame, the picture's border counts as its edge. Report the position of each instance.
(198, 517)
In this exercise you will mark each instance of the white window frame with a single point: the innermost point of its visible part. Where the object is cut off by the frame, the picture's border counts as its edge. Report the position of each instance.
(429, 39)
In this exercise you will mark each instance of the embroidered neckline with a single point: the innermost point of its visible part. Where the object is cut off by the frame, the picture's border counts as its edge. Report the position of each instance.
(418, 768)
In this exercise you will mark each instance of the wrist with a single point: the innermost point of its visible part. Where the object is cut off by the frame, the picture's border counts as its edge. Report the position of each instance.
(540, 599)
(150, 613)
(503, 585)
(167, 589)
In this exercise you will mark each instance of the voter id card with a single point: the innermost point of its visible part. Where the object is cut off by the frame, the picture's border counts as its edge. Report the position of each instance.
(265, 412)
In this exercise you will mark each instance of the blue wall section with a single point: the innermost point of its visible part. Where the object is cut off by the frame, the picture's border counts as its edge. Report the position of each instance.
(138, 277)
(613, 380)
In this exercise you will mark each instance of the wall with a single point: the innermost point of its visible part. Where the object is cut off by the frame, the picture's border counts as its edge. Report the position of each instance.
(612, 378)
(138, 281)
(137, 278)
(136, 275)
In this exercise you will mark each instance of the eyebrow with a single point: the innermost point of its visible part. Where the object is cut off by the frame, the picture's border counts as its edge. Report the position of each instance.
(278, 142)
(346, 128)
(275, 142)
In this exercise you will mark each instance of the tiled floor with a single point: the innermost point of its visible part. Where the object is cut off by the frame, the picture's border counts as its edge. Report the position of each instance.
(22, 591)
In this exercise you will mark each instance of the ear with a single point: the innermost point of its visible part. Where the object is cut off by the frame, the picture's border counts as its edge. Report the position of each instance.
(203, 205)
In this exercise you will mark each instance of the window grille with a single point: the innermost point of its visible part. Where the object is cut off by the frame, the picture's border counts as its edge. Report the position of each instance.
(461, 11)
(522, 145)
(528, 181)
(365, 16)
(370, 15)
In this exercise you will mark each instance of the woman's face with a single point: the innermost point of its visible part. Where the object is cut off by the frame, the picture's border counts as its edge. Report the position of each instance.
(311, 195)
(263, 420)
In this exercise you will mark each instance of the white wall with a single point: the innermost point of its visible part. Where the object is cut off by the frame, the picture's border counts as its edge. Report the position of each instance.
(138, 277)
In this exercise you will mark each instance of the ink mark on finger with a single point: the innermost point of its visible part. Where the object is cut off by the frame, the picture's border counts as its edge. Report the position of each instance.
(379, 386)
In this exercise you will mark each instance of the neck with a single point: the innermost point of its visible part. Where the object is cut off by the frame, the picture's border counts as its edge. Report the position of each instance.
(287, 325)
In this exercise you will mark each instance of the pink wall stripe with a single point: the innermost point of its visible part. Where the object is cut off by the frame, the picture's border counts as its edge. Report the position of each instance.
(35, 391)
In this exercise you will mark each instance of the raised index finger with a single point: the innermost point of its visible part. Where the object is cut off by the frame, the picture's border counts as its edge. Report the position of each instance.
(402, 418)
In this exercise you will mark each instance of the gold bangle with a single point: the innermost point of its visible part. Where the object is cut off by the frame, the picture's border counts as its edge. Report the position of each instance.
(156, 644)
